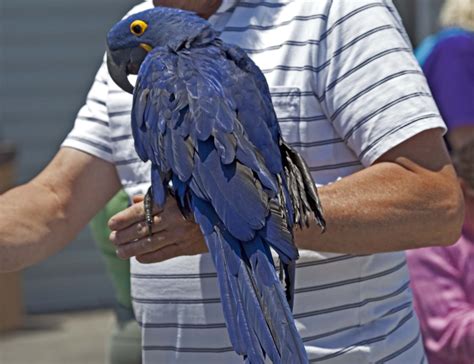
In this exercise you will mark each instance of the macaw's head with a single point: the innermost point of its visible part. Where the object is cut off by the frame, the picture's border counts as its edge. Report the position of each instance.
(130, 40)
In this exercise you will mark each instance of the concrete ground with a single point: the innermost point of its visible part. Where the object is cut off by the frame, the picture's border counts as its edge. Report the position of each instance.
(66, 338)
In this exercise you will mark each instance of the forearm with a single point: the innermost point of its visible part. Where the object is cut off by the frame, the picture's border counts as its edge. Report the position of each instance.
(42, 216)
(32, 225)
(387, 207)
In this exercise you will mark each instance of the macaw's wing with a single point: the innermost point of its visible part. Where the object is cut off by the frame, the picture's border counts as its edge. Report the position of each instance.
(180, 118)
(186, 121)
(302, 198)
(252, 89)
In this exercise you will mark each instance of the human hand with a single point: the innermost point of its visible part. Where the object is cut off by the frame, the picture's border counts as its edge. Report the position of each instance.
(172, 236)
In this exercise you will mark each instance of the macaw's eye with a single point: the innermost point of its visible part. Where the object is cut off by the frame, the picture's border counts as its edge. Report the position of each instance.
(138, 27)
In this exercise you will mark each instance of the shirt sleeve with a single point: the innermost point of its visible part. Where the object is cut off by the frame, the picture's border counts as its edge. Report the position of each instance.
(445, 313)
(450, 73)
(91, 132)
(368, 82)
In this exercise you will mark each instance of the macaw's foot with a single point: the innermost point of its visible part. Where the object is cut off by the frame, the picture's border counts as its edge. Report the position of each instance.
(148, 206)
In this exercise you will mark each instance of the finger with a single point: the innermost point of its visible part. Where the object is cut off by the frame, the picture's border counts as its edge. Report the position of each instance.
(127, 217)
(136, 231)
(172, 251)
(130, 216)
(143, 246)
(138, 198)
(165, 253)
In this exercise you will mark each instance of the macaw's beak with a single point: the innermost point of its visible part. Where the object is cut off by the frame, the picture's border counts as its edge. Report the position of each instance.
(122, 62)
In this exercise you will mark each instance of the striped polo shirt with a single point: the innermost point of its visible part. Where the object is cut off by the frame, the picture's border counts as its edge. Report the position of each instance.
(346, 89)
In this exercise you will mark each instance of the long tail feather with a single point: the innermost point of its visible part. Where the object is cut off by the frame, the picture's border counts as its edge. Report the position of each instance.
(255, 306)
(274, 303)
(258, 317)
(248, 329)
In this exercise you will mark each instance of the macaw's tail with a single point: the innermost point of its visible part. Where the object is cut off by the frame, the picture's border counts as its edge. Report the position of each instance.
(258, 317)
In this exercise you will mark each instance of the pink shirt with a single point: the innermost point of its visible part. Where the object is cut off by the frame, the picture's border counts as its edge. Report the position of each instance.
(443, 290)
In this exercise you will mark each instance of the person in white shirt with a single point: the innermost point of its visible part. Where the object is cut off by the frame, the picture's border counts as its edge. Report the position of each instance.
(352, 100)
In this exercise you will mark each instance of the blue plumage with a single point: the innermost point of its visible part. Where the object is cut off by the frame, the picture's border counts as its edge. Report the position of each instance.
(202, 114)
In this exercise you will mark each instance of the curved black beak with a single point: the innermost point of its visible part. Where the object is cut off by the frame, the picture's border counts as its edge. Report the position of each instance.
(122, 62)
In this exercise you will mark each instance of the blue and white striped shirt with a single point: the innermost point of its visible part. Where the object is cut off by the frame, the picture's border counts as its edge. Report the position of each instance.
(346, 89)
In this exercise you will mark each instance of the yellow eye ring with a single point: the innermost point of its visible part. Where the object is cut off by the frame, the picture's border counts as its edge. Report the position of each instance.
(138, 27)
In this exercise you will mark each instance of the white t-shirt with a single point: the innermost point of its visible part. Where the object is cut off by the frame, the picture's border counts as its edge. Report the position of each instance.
(346, 89)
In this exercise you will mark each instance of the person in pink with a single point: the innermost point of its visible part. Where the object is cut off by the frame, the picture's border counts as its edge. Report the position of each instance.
(442, 280)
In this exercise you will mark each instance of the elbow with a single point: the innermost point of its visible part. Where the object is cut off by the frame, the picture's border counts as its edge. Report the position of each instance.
(455, 219)
(440, 205)
(451, 216)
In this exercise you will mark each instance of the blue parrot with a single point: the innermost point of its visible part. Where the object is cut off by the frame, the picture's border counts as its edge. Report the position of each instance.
(202, 114)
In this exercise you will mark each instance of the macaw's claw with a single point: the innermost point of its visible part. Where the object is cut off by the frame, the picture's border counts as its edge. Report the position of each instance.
(148, 206)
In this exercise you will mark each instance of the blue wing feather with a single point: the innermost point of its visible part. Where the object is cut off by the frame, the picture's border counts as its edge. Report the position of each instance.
(231, 188)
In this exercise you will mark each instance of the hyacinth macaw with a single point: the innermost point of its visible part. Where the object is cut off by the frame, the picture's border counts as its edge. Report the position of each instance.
(202, 114)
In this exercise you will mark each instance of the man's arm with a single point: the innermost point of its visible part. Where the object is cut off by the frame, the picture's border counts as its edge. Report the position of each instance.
(409, 198)
(42, 216)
